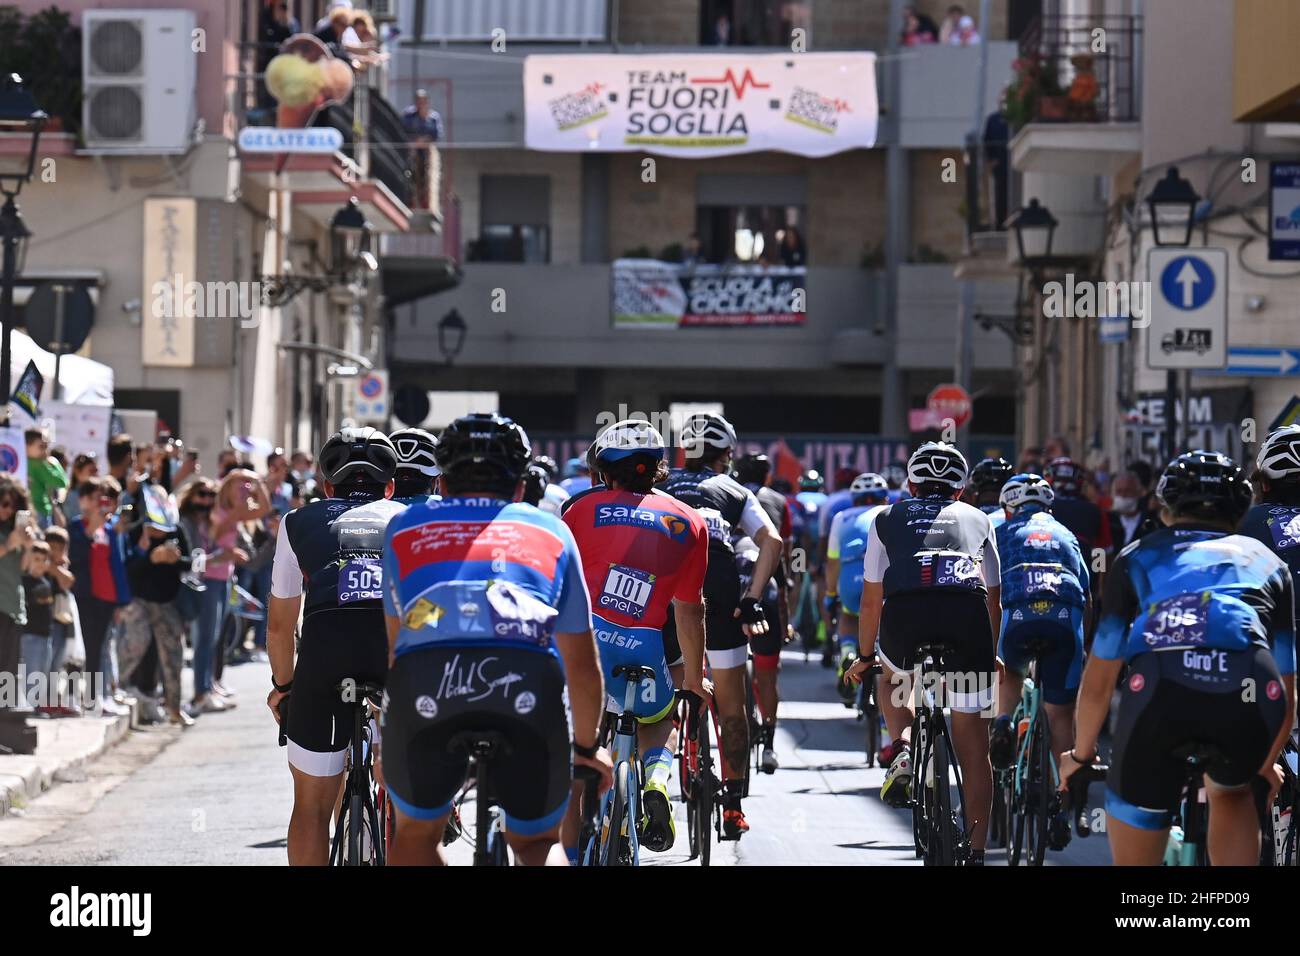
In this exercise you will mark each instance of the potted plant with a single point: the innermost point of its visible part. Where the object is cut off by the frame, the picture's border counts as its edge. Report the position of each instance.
(1082, 98)
(1033, 94)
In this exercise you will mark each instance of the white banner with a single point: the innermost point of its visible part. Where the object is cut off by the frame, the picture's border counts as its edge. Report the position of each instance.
(79, 428)
(701, 104)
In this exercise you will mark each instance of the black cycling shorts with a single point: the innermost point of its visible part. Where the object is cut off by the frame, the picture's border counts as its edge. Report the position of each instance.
(959, 619)
(337, 645)
(1175, 699)
(435, 693)
(723, 636)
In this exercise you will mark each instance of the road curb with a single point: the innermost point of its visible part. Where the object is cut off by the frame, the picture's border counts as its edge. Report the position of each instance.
(64, 746)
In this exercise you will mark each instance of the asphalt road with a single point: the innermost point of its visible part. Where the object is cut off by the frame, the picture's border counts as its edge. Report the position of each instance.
(220, 794)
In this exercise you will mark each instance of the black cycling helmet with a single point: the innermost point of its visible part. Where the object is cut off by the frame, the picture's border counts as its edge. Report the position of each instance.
(752, 469)
(416, 451)
(487, 441)
(358, 456)
(535, 482)
(550, 464)
(1205, 484)
(990, 474)
(1066, 477)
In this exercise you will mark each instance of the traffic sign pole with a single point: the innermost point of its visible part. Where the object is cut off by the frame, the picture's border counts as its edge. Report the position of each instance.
(59, 292)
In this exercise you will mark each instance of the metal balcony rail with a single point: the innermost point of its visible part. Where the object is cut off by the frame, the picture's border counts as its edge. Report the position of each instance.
(1079, 69)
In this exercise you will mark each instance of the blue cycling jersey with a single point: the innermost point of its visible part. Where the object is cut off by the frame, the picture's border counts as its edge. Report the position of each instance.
(836, 502)
(482, 572)
(1041, 560)
(1190, 586)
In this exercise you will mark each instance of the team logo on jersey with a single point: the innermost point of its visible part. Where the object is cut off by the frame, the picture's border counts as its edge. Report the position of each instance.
(663, 522)
(1040, 539)
(426, 707)
(1273, 690)
(1136, 683)
(421, 614)
(525, 702)
(1041, 607)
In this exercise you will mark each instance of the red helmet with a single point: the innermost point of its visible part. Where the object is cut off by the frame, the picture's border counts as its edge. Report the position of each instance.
(844, 477)
(1065, 476)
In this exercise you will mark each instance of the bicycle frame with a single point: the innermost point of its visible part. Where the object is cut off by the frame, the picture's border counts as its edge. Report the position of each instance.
(929, 726)
(358, 808)
(625, 754)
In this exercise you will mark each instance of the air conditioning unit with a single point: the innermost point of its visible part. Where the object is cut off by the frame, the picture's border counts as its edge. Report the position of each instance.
(138, 69)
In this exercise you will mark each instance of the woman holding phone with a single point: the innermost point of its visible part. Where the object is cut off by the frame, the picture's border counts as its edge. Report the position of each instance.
(16, 532)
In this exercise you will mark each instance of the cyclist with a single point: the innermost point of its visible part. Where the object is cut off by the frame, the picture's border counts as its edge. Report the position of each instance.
(327, 556)
(838, 500)
(1276, 519)
(642, 549)
(577, 476)
(931, 575)
(553, 496)
(986, 481)
(753, 471)
(488, 619)
(1044, 597)
(1203, 618)
(417, 467)
(845, 546)
(732, 617)
(1081, 516)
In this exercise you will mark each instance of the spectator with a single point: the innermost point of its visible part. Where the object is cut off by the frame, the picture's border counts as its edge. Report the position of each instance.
(1130, 518)
(1030, 461)
(159, 554)
(422, 122)
(324, 21)
(1058, 446)
(720, 34)
(303, 468)
(274, 27)
(45, 476)
(84, 467)
(278, 488)
(38, 600)
(227, 461)
(63, 624)
(950, 23)
(15, 537)
(918, 29)
(99, 578)
(691, 257)
(792, 248)
(241, 498)
(966, 34)
(338, 34)
(119, 458)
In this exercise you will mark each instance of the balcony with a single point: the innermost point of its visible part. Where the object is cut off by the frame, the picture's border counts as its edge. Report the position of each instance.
(397, 179)
(936, 91)
(1074, 109)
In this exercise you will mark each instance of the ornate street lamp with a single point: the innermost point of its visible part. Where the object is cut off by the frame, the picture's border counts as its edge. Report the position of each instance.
(1173, 210)
(18, 111)
(349, 236)
(451, 335)
(1035, 228)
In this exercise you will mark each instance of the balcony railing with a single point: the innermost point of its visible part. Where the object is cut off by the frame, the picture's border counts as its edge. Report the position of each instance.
(1078, 69)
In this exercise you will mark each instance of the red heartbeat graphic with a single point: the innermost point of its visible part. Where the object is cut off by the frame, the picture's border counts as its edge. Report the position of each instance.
(738, 88)
(593, 88)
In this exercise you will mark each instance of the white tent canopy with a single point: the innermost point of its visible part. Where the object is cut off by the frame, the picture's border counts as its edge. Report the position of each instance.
(84, 381)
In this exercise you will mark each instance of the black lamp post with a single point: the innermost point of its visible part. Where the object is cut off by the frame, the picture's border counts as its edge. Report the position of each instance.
(451, 335)
(349, 236)
(1173, 209)
(1035, 229)
(18, 111)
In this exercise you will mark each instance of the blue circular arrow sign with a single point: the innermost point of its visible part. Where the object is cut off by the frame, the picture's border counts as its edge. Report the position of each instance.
(1187, 283)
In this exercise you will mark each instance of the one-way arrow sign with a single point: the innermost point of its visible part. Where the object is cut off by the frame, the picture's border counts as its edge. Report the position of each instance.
(1243, 360)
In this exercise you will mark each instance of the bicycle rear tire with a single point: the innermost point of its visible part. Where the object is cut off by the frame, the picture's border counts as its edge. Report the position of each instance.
(1043, 801)
(942, 824)
(919, 796)
(613, 852)
(704, 793)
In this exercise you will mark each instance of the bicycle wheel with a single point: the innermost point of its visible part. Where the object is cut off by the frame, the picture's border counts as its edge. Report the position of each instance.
(920, 795)
(498, 849)
(1042, 796)
(942, 824)
(614, 852)
(704, 785)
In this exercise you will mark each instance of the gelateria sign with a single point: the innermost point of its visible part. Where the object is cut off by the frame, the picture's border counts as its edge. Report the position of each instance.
(701, 104)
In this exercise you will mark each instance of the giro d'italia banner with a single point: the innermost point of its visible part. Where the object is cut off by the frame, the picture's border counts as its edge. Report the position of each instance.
(701, 104)
(648, 293)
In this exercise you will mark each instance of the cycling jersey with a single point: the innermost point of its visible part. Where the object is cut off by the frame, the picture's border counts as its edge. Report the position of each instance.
(928, 544)
(1278, 527)
(639, 553)
(997, 515)
(837, 501)
(847, 542)
(483, 573)
(409, 500)
(1041, 560)
(333, 545)
(1189, 586)
(553, 499)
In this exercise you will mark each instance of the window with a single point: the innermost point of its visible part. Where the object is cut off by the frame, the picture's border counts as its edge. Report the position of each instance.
(514, 220)
(752, 22)
(760, 235)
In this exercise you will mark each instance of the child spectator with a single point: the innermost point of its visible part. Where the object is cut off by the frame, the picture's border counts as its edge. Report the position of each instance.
(38, 595)
(63, 622)
(45, 476)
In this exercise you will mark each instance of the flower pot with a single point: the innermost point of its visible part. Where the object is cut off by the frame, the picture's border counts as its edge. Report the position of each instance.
(1053, 108)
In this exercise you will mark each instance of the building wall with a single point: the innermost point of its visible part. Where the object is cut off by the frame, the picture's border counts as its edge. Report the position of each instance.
(565, 172)
(936, 207)
(659, 22)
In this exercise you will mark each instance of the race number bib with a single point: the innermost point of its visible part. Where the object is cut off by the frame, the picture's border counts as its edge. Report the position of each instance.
(361, 579)
(719, 529)
(1042, 580)
(949, 570)
(626, 590)
(1175, 622)
(1284, 528)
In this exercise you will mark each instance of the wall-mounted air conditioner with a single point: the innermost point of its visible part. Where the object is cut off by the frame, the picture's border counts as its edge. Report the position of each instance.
(138, 69)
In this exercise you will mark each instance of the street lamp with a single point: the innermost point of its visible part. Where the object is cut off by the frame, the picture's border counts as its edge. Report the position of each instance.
(18, 111)
(1035, 228)
(1173, 208)
(349, 236)
(451, 335)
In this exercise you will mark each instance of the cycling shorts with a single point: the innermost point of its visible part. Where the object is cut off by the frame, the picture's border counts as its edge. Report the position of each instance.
(435, 693)
(850, 586)
(1174, 699)
(337, 645)
(959, 619)
(620, 644)
(769, 644)
(724, 639)
(1060, 667)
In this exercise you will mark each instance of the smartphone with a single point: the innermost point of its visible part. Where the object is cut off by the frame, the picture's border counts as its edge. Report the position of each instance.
(24, 519)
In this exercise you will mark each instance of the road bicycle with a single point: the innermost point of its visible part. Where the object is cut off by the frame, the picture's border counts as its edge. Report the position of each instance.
(365, 821)
(616, 842)
(940, 837)
(1029, 797)
(868, 709)
(1187, 845)
(483, 748)
(1279, 843)
(698, 775)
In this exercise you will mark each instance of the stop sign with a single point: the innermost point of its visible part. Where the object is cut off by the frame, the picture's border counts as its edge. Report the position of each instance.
(950, 401)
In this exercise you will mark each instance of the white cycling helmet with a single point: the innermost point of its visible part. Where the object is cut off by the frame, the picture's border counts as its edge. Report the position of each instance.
(1025, 489)
(707, 430)
(1279, 454)
(937, 462)
(868, 483)
(623, 439)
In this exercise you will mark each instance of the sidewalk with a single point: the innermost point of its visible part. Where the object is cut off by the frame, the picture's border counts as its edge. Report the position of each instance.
(63, 746)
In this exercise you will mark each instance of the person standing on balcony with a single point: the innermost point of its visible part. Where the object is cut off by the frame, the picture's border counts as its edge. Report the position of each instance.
(965, 34)
(918, 29)
(423, 124)
(338, 34)
(950, 21)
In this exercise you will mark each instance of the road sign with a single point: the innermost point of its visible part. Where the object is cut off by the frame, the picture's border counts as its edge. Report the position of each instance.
(411, 404)
(1189, 308)
(1290, 415)
(370, 399)
(273, 139)
(950, 401)
(1263, 362)
(1284, 211)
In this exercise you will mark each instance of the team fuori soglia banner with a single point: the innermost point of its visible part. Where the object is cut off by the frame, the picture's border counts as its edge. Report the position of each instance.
(701, 104)
(648, 293)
